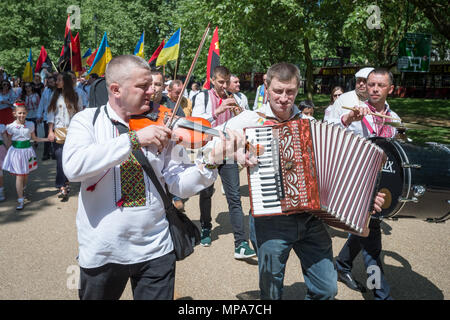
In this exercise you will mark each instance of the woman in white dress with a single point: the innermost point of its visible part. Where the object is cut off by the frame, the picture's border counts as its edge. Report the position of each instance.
(21, 159)
(64, 104)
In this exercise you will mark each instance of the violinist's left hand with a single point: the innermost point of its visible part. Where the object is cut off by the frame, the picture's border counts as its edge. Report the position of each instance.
(232, 148)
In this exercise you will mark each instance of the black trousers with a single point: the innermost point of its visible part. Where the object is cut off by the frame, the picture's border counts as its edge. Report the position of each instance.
(371, 250)
(150, 280)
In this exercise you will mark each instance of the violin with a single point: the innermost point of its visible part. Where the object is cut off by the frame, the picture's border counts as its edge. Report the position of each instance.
(190, 132)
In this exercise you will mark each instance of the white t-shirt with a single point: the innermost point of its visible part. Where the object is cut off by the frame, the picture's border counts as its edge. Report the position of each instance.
(61, 116)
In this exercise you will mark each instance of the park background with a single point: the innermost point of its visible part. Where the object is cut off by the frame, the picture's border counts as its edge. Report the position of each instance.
(252, 36)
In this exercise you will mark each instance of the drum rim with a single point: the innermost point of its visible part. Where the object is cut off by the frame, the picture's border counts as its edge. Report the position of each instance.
(406, 188)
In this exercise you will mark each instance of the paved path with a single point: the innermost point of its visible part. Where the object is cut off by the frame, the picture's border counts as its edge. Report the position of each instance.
(38, 247)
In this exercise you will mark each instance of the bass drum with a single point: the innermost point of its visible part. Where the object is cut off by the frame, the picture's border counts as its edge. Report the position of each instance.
(415, 179)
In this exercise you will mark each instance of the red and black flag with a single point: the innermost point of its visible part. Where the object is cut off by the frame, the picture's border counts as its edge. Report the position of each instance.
(43, 61)
(213, 58)
(76, 54)
(64, 58)
(152, 61)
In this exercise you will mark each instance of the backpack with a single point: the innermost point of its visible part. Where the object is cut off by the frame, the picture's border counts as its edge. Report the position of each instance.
(98, 95)
(206, 97)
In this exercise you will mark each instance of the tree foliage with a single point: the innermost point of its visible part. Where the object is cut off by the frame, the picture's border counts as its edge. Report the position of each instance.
(253, 34)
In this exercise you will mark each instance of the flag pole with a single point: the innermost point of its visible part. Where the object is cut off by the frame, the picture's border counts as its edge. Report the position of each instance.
(177, 105)
(70, 46)
(175, 73)
(56, 69)
(176, 62)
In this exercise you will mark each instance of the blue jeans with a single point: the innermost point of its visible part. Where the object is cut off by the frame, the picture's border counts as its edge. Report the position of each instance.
(229, 174)
(371, 250)
(275, 236)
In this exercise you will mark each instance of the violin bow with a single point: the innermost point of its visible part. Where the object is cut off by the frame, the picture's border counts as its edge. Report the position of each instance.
(188, 77)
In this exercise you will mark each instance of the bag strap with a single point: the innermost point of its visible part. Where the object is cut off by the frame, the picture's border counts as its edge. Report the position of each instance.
(145, 164)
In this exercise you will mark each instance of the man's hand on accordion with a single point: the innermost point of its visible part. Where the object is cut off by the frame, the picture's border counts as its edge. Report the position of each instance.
(379, 201)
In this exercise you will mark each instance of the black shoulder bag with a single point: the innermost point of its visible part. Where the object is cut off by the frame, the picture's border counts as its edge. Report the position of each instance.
(185, 234)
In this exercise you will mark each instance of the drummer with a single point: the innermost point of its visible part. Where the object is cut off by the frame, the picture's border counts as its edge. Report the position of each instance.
(379, 86)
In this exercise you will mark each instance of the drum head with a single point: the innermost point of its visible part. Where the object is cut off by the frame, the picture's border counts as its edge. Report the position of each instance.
(394, 178)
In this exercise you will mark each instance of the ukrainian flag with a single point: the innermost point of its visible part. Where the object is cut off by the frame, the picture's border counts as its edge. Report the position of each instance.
(102, 57)
(139, 50)
(170, 50)
(86, 56)
(27, 75)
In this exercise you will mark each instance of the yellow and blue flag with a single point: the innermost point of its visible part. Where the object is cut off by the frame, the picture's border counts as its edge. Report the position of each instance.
(102, 57)
(139, 50)
(86, 56)
(170, 50)
(27, 75)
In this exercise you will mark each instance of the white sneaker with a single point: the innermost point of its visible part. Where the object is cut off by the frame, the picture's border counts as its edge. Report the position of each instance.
(20, 206)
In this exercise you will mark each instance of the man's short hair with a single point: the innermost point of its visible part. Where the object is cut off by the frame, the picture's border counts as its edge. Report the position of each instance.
(157, 73)
(118, 69)
(305, 104)
(383, 71)
(175, 83)
(284, 72)
(221, 71)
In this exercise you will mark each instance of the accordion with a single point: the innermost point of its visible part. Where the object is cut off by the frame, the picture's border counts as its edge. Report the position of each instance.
(313, 166)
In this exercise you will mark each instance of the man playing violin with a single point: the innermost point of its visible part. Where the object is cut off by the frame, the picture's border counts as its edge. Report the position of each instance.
(275, 236)
(216, 108)
(122, 228)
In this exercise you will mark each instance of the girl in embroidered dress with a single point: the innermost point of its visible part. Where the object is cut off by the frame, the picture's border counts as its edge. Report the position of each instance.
(4, 145)
(21, 159)
(64, 104)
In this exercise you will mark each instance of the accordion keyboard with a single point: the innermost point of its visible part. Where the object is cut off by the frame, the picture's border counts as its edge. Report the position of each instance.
(265, 178)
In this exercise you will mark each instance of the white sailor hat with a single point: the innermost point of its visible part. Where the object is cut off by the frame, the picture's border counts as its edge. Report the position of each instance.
(363, 73)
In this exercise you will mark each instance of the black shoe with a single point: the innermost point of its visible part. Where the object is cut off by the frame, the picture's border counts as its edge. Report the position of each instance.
(348, 280)
(45, 158)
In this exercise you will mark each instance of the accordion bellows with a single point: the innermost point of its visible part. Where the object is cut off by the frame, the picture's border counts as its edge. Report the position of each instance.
(312, 166)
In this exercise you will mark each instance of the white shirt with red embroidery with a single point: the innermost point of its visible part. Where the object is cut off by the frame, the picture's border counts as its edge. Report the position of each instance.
(124, 235)
(350, 99)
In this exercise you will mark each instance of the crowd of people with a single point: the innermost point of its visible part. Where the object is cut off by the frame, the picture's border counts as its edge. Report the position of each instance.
(89, 148)
(37, 111)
